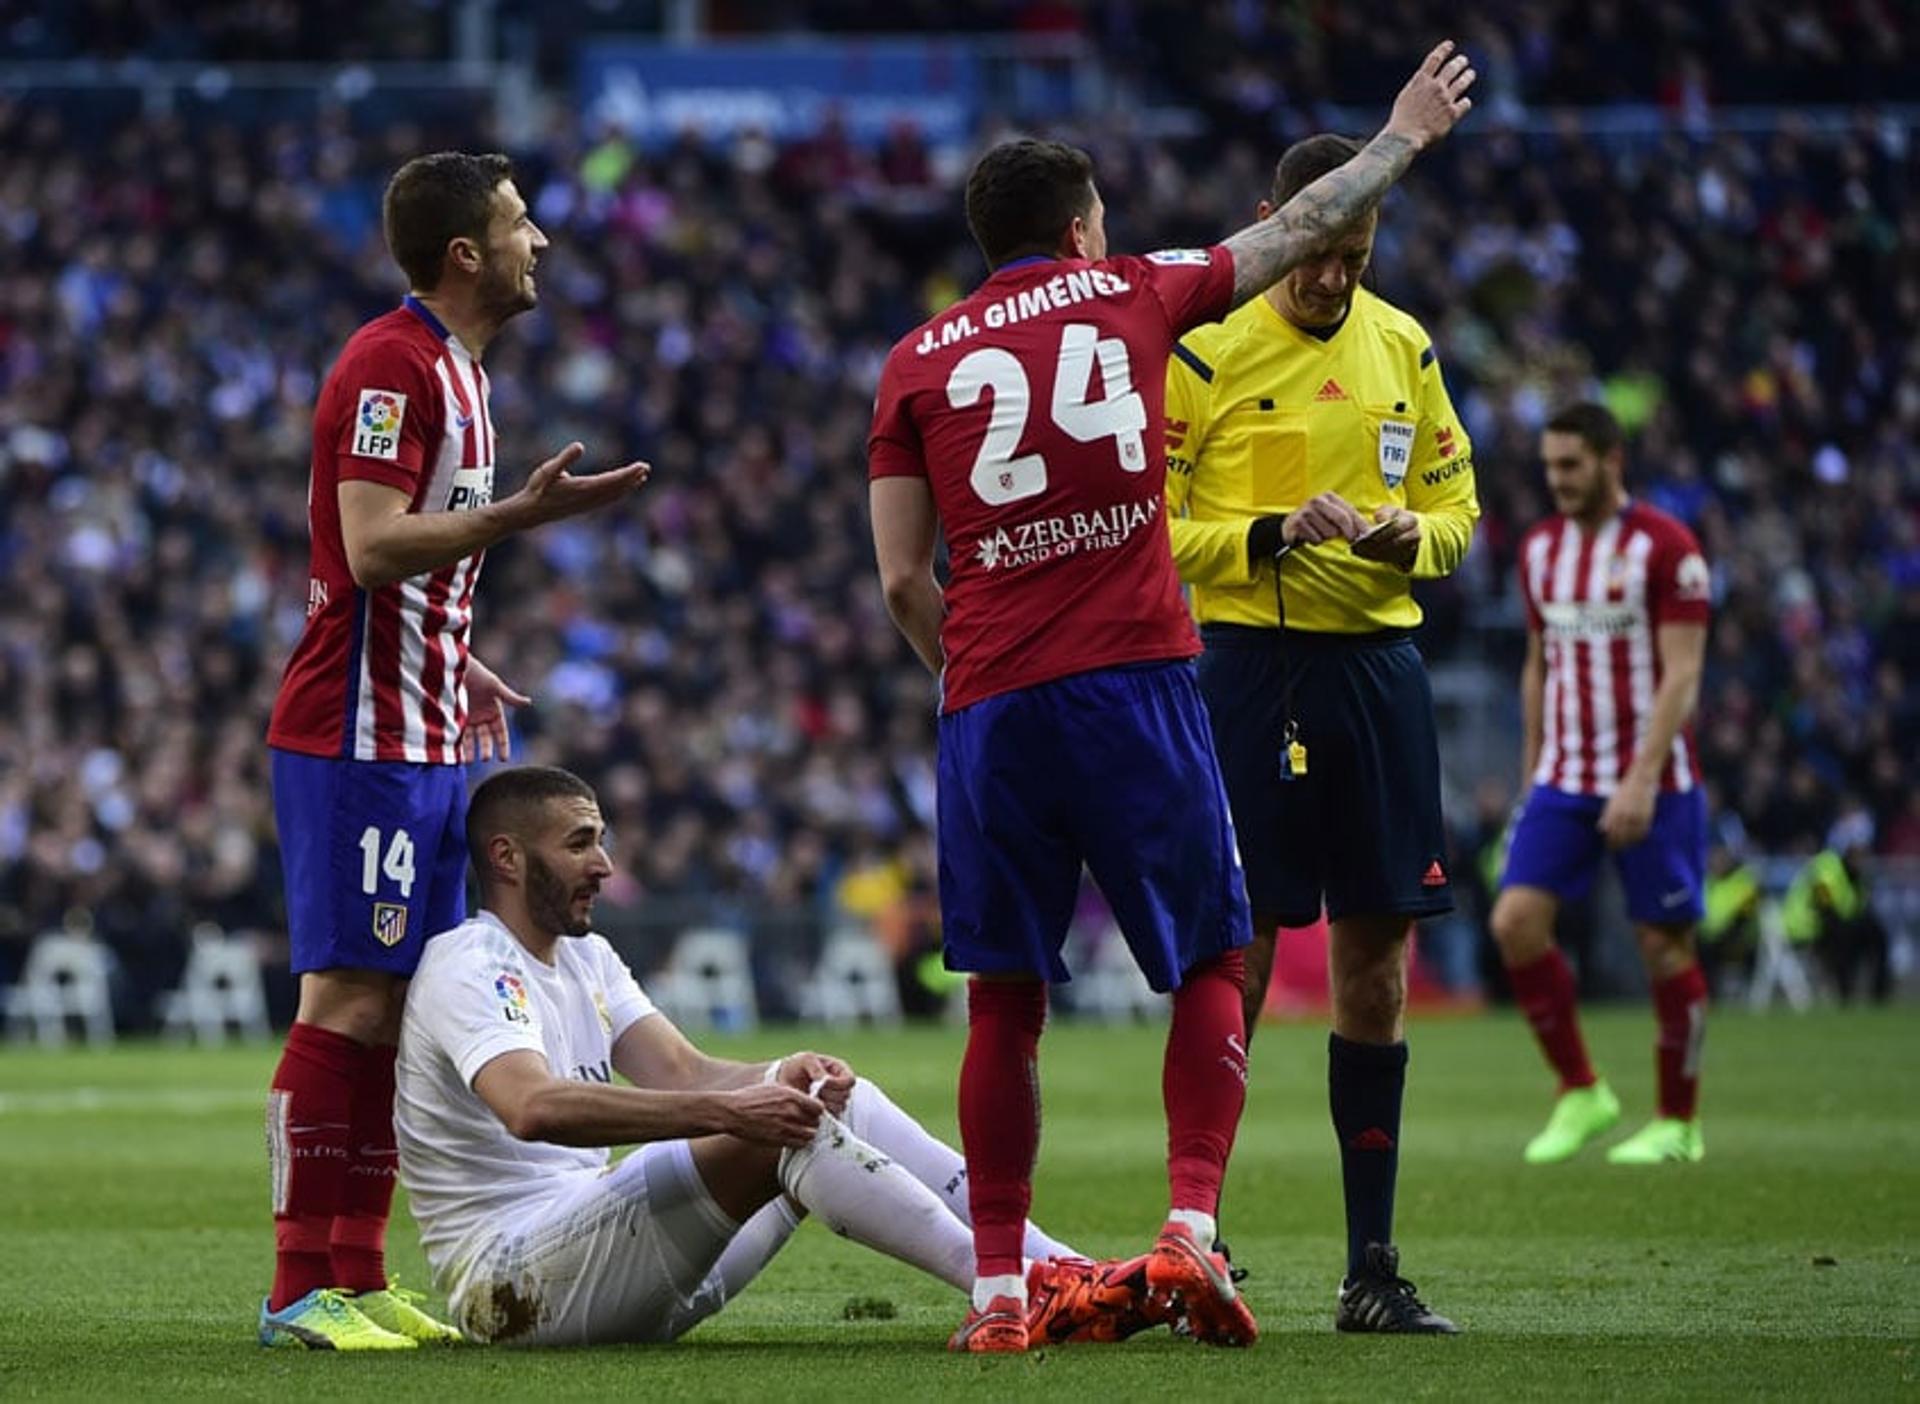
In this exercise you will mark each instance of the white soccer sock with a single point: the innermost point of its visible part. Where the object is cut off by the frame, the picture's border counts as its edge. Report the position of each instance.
(760, 1237)
(863, 1194)
(1205, 1230)
(876, 1119)
(985, 1289)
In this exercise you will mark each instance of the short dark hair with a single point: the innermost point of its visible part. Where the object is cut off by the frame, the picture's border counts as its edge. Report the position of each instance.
(433, 200)
(1301, 164)
(507, 799)
(1595, 425)
(1023, 194)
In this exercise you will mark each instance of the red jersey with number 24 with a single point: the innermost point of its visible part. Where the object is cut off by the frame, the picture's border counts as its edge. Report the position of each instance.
(1035, 410)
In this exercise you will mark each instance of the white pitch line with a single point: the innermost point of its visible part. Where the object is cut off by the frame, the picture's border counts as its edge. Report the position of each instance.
(81, 1101)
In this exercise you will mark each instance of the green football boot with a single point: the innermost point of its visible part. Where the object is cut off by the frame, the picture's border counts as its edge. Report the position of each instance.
(1579, 1115)
(326, 1320)
(1663, 1139)
(397, 1310)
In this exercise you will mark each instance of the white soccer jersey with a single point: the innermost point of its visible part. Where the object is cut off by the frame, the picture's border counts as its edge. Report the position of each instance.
(479, 994)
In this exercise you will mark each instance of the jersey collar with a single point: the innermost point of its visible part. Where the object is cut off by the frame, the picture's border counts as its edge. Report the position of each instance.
(1301, 334)
(425, 314)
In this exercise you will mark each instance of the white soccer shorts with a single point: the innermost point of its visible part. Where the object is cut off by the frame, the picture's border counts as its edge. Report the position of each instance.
(639, 1252)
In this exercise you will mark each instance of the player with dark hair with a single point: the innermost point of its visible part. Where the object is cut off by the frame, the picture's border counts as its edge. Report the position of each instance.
(528, 1049)
(1617, 597)
(1025, 423)
(1313, 425)
(380, 703)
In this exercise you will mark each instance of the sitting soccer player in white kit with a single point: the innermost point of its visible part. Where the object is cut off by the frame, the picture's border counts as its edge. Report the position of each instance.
(516, 1024)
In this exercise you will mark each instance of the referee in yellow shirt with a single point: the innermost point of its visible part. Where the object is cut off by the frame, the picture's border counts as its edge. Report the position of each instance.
(1316, 469)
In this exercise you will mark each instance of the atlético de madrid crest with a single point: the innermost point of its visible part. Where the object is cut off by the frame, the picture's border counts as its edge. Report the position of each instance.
(389, 923)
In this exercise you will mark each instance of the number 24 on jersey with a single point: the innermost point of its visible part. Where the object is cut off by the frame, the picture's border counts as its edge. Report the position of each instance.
(1000, 473)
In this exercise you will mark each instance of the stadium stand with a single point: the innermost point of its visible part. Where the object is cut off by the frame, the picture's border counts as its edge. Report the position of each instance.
(1742, 293)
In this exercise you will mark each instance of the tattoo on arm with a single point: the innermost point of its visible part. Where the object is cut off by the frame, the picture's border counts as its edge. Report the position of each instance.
(1266, 252)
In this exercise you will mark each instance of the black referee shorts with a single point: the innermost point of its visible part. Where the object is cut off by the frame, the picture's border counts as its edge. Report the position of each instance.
(1361, 830)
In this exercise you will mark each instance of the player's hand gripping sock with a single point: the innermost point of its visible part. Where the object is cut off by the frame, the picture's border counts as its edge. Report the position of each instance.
(860, 1193)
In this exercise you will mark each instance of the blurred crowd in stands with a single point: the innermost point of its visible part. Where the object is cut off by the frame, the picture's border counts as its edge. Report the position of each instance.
(717, 659)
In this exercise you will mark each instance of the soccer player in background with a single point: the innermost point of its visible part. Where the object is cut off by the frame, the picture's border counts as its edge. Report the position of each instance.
(1025, 422)
(517, 1023)
(1313, 425)
(380, 703)
(1617, 597)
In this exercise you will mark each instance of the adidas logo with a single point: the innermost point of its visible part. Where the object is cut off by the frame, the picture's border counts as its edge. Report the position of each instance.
(1331, 391)
(1371, 1139)
(1436, 875)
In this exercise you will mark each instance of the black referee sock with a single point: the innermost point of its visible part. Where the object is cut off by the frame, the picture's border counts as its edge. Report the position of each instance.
(1364, 1083)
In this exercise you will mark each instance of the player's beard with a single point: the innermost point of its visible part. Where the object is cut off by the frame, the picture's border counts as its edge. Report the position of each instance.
(550, 901)
(505, 292)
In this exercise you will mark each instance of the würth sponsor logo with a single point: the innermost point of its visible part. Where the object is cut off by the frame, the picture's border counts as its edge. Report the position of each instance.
(1049, 538)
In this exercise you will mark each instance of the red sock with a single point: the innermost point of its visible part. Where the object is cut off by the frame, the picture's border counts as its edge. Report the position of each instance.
(1544, 991)
(1680, 1007)
(1204, 1079)
(309, 1115)
(358, 1242)
(1000, 1115)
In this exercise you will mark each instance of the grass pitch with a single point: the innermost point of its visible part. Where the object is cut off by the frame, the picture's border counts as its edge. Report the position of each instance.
(133, 1215)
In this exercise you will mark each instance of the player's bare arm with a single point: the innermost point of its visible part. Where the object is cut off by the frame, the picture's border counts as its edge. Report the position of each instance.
(905, 526)
(534, 1105)
(386, 543)
(1428, 107)
(654, 1053)
(1629, 812)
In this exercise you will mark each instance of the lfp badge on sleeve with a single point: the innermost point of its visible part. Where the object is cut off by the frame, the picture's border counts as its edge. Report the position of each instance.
(1396, 451)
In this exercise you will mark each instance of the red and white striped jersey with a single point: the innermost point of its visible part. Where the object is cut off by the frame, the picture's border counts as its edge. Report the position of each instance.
(380, 675)
(1596, 599)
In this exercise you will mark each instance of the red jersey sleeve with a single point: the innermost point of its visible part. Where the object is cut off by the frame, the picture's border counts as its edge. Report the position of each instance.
(1192, 286)
(392, 408)
(1524, 574)
(1679, 585)
(894, 449)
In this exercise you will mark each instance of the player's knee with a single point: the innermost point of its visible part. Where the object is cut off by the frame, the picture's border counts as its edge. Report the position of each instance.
(1518, 930)
(360, 1005)
(1666, 950)
(1370, 998)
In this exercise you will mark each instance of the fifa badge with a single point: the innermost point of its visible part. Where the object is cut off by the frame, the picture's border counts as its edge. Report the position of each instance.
(1396, 451)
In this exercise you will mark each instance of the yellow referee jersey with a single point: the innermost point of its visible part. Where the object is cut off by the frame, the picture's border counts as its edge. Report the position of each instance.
(1262, 416)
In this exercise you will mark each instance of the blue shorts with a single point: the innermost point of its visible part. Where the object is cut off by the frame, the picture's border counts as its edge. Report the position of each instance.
(1557, 847)
(1359, 833)
(1113, 769)
(374, 855)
